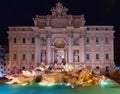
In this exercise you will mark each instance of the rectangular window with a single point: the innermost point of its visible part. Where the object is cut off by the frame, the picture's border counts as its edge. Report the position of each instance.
(106, 40)
(107, 56)
(14, 40)
(32, 56)
(97, 56)
(97, 68)
(15, 56)
(2, 62)
(97, 40)
(87, 56)
(87, 40)
(23, 56)
(33, 40)
(23, 40)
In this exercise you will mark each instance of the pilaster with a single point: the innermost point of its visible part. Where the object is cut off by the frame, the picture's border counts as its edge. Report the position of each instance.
(10, 49)
(112, 49)
(19, 51)
(102, 55)
(82, 43)
(93, 54)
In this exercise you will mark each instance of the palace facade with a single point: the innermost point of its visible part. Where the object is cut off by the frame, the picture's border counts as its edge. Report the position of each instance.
(61, 38)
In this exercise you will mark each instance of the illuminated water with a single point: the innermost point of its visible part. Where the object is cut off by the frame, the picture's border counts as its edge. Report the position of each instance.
(57, 89)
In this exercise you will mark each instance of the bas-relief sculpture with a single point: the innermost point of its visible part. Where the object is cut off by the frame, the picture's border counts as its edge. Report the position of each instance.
(65, 27)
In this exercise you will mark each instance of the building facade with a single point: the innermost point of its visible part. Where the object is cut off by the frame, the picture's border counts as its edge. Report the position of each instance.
(61, 38)
(2, 62)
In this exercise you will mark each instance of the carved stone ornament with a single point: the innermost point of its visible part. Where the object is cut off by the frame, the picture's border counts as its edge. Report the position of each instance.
(59, 18)
(59, 10)
(35, 21)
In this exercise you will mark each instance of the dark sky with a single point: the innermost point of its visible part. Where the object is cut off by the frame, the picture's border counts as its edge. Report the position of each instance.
(21, 12)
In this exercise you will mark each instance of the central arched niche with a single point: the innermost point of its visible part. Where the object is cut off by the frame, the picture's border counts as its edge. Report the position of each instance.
(59, 43)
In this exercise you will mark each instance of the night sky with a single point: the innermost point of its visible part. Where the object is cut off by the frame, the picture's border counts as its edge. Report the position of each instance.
(97, 12)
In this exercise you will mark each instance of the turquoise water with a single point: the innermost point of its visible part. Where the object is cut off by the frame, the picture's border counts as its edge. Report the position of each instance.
(57, 89)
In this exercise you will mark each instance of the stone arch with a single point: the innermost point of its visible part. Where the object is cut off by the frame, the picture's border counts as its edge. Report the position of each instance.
(60, 40)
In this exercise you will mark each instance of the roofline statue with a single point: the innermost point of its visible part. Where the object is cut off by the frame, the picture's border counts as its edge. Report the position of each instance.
(59, 10)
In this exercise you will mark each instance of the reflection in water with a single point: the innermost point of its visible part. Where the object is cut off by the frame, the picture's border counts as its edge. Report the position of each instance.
(61, 88)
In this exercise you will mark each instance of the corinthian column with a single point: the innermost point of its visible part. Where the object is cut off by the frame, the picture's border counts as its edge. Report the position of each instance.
(37, 45)
(70, 50)
(49, 55)
(70, 54)
(37, 48)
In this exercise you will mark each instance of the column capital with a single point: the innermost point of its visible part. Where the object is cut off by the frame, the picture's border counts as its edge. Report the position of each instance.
(82, 31)
(37, 36)
(83, 28)
(70, 31)
(48, 35)
(48, 29)
(82, 35)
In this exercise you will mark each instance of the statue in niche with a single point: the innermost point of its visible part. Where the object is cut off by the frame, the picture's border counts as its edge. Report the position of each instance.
(43, 56)
(76, 56)
(59, 59)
